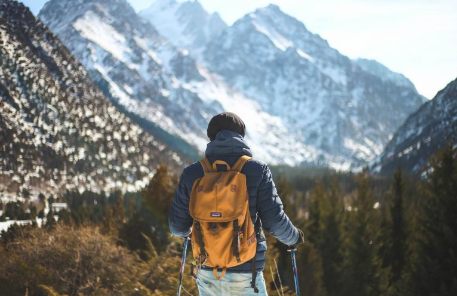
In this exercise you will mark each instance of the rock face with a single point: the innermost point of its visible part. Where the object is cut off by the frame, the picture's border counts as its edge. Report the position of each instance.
(381, 71)
(429, 129)
(187, 24)
(145, 75)
(58, 131)
(344, 108)
(135, 67)
(303, 102)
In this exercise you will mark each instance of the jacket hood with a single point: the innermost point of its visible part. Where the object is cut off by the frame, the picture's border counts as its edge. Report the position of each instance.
(228, 142)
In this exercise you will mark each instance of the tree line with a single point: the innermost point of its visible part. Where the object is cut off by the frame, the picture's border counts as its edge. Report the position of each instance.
(365, 235)
(396, 236)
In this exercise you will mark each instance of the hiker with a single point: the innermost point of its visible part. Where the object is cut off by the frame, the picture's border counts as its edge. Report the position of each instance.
(203, 190)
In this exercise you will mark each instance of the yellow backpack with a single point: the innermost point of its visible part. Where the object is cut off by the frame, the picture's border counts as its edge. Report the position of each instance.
(223, 234)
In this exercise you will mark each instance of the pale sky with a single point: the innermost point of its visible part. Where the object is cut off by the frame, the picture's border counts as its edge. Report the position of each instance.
(417, 38)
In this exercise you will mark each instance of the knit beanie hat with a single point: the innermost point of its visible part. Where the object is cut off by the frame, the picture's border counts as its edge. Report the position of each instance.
(225, 120)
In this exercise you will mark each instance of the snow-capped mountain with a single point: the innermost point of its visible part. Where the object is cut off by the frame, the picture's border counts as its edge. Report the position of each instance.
(145, 75)
(185, 24)
(347, 109)
(424, 132)
(57, 129)
(139, 70)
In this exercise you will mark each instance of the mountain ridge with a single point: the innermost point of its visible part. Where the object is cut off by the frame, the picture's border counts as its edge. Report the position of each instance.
(303, 102)
(272, 58)
(161, 83)
(429, 129)
(195, 28)
(59, 132)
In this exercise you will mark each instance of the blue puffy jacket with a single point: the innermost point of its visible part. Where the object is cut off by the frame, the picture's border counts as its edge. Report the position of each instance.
(264, 202)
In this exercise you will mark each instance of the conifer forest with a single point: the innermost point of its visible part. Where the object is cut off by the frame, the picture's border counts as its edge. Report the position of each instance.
(365, 235)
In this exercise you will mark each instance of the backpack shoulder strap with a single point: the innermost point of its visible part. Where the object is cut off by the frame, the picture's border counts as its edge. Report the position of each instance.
(238, 166)
(207, 168)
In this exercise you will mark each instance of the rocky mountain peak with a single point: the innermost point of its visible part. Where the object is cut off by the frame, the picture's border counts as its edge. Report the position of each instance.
(316, 105)
(324, 97)
(186, 24)
(429, 129)
(384, 73)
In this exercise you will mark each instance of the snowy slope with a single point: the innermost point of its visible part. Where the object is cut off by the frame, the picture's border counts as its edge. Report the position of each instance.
(185, 24)
(329, 101)
(133, 64)
(146, 75)
(58, 131)
(424, 132)
(375, 68)
(302, 100)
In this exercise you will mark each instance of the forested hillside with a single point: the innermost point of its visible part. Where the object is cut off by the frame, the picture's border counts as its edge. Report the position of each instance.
(429, 129)
(58, 131)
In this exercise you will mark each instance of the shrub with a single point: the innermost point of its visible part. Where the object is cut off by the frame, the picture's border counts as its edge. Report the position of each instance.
(70, 262)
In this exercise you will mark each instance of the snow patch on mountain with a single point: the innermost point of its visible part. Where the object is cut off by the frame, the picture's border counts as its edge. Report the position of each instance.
(58, 130)
(426, 131)
(381, 71)
(93, 28)
(330, 102)
(165, 85)
(185, 24)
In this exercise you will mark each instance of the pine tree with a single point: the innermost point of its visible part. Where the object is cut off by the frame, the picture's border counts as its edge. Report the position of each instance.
(310, 272)
(114, 218)
(398, 233)
(309, 261)
(66, 218)
(331, 246)
(362, 271)
(136, 233)
(287, 194)
(435, 271)
(42, 202)
(50, 220)
(314, 222)
(159, 193)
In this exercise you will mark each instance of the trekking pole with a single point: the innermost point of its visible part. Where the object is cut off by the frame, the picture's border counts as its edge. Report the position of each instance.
(183, 264)
(294, 266)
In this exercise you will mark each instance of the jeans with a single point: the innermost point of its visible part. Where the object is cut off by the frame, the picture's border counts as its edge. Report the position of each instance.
(231, 284)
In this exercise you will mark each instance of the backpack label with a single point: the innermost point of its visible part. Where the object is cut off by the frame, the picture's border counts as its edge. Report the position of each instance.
(216, 214)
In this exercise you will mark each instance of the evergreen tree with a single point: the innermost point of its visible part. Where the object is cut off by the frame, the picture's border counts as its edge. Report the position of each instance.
(159, 193)
(50, 220)
(114, 218)
(107, 225)
(41, 214)
(398, 233)
(314, 222)
(309, 261)
(287, 194)
(435, 271)
(66, 218)
(136, 234)
(33, 212)
(310, 272)
(362, 271)
(331, 246)
(42, 201)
